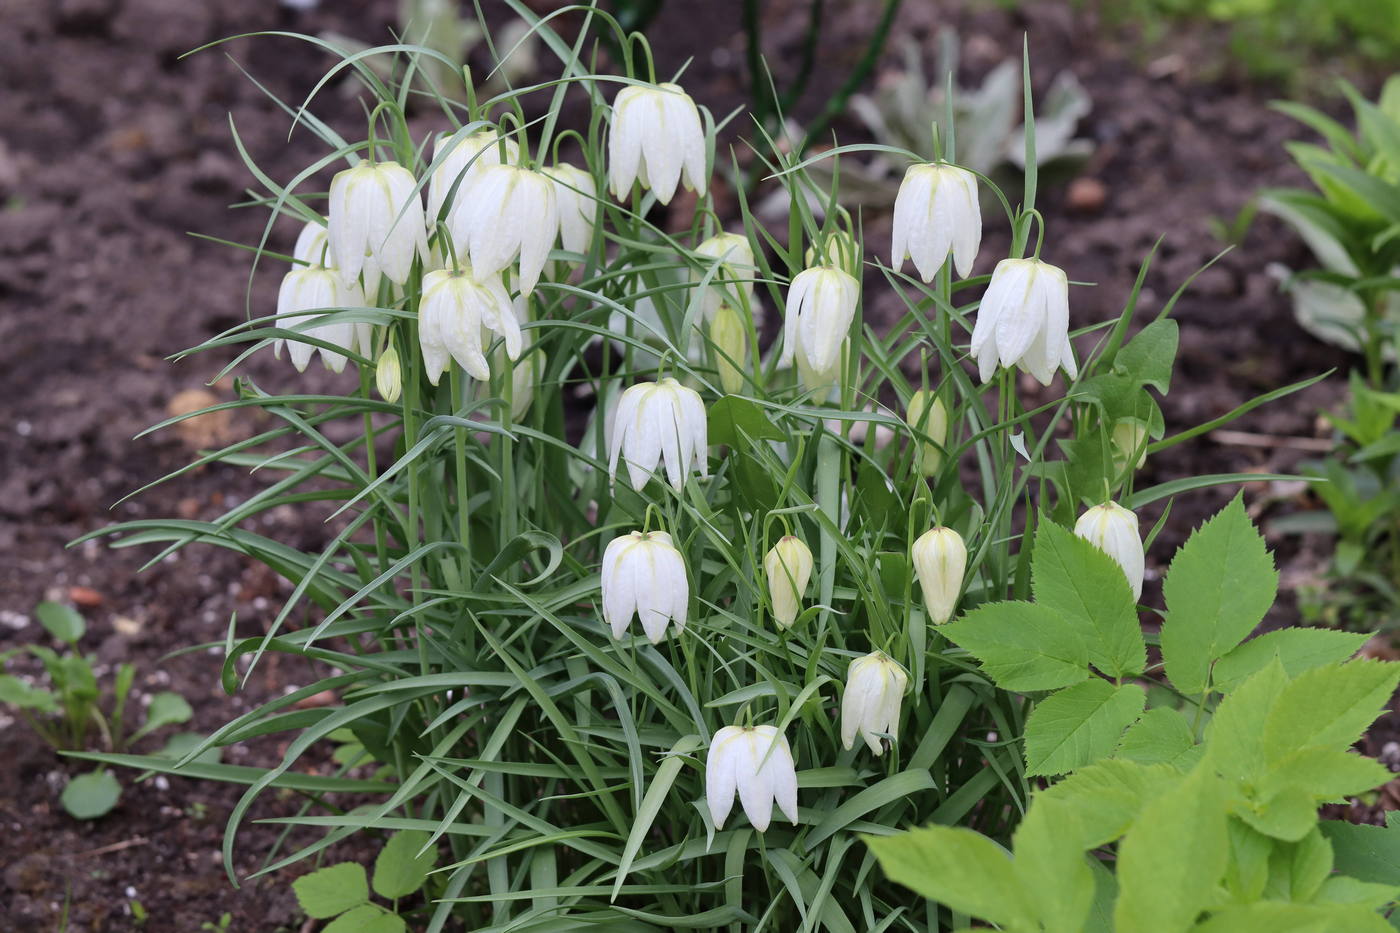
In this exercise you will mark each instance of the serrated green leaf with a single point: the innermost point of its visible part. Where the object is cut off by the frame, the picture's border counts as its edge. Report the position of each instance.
(1108, 796)
(91, 795)
(1329, 706)
(1340, 889)
(62, 622)
(1299, 650)
(332, 890)
(1148, 358)
(1079, 725)
(1022, 646)
(959, 868)
(1368, 853)
(1297, 869)
(1327, 773)
(1218, 588)
(1087, 587)
(399, 869)
(1234, 738)
(1050, 865)
(1161, 736)
(1171, 860)
(1277, 917)
(1289, 813)
(367, 918)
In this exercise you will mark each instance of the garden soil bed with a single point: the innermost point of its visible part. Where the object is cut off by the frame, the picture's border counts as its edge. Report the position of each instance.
(113, 147)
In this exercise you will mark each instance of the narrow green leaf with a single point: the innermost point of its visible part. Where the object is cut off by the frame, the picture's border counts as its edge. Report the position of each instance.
(652, 802)
(1022, 646)
(959, 868)
(1220, 584)
(1086, 586)
(400, 868)
(1079, 725)
(332, 890)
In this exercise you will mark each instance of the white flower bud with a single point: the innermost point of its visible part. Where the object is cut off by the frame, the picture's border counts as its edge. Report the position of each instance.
(936, 213)
(465, 156)
(731, 282)
(870, 706)
(644, 575)
(656, 419)
(788, 567)
(1023, 320)
(512, 213)
(731, 346)
(454, 310)
(376, 223)
(577, 197)
(757, 762)
(940, 560)
(656, 138)
(821, 304)
(1114, 530)
(928, 415)
(388, 378)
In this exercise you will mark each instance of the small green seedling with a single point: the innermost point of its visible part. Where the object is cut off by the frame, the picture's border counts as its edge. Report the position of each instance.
(342, 892)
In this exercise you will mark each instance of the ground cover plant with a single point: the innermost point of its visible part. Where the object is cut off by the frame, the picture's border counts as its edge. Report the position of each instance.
(565, 652)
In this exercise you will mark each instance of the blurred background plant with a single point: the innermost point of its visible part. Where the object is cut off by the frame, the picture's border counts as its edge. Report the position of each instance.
(1350, 221)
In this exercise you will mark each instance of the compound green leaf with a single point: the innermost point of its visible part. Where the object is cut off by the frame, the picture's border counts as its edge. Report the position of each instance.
(1080, 725)
(1108, 796)
(1022, 646)
(1220, 584)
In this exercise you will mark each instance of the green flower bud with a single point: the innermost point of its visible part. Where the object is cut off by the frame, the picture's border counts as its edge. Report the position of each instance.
(388, 378)
(928, 415)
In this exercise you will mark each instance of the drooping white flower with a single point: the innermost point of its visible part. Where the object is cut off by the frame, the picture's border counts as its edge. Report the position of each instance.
(1114, 530)
(940, 560)
(512, 212)
(312, 246)
(656, 138)
(821, 304)
(464, 156)
(1023, 320)
(928, 415)
(577, 196)
(731, 282)
(644, 576)
(936, 213)
(375, 214)
(870, 706)
(316, 288)
(755, 761)
(455, 307)
(788, 567)
(656, 421)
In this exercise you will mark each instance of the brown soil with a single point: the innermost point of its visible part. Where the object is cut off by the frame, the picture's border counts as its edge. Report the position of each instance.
(112, 147)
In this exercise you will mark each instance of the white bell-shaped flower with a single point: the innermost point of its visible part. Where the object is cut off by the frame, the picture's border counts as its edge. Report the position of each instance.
(376, 223)
(1114, 530)
(455, 308)
(788, 567)
(656, 138)
(1023, 320)
(940, 561)
(512, 213)
(731, 282)
(870, 706)
(316, 288)
(464, 156)
(755, 761)
(821, 303)
(644, 576)
(656, 421)
(936, 213)
(577, 196)
(312, 246)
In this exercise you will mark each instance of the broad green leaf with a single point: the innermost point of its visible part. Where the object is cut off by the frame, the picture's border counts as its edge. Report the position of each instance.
(1340, 889)
(1050, 865)
(91, 795)
(1297, 869)
(1299, 649)
(367, 918)
(734, 420)
(1108, 796)
(1329, 706)
(399, 869)
(1079, 725)
(1368, 853)
(1086, 586)
(1326, 773)
(1233, 740)
(1289, 813)
(332, 890)
(959, 868)
(1161, 736)
(1147, 359)
(1278, 917)
(62, 622)
(1220, 584)
(167, 709)
(182, 743)
(16, 692)
(1172, 858)
(1022, 646)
